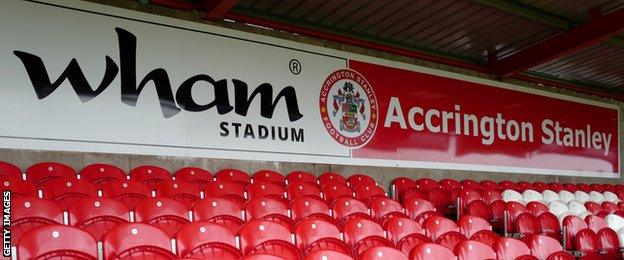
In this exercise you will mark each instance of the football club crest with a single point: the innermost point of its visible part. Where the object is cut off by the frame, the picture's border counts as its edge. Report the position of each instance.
(348, 108)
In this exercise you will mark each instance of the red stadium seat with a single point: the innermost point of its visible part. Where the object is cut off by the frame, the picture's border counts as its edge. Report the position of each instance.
(469, 225)
(523, 185)
(507, 185)
(361, 234)
(345, 208)
(269, 176)
(302, 189)
(196, 176)
(365, 192)
(409, 242)
(128, 192)
(180, 191)
(587, 242)
(300, 177)
(317, 234)
(543, 246)
(470, 250)
(510, 249)
(609, 206)
(526, 225)
(572, 225)
(498, 211)
(232, 191)
(479, 208)
(467, 196)
(610, 245)
(233, 175)
(555, 186)
(267, 237)
(450, 239)
(67, 191)
(57, 242)
(449, 184)
(399, 228)
(437, 225)
(469, 184)
(549, 225)
(595, 223)
(137, 241)
(269, 208)
(260, 189)
(327, 254)
(333, 191)
(40, 173)
(99, 174)
(220, 211)
(310, 207)
(204, 240)
(428, 251)
(8, 170)
(425, 215)
(571, 187)
(593, 207)
(381, 206)
(561, 255)
(413, 193)
(536, 208)
(360, 179)
(97, 215)
(426, 184)
(487, 237)
(400, 185)
(416, 206)
(514, 209)
(30, 212)
(331, 177)
(18, 187)
(382, 252)
(150, 175)
(489, 185)
(441, 200)
(584, 187)
(540, 186)
(166, 214)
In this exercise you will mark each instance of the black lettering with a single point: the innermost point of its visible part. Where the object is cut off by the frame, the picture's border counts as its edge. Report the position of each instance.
(129, 90)
(236, 127)
(297, 134)
(185, 100)
(224, 130)
(283, 137)
(267, 104)
(43, 86)
(263, 132)
(249, 132)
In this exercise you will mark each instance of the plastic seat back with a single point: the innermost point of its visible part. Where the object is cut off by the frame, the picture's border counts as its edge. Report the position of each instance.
(549, 225)
(479, 208)
(267, 237)
(204, 240)
(449, 184)
(510, 248)
(543, 246)
(469, 225)
(233, 175)
(491, 195)
(31, 212)
(269, 208)
(137, 241)
(532, 195)
(572, 225)
(399, 227)
(366, 192)
(309, 231)
(332, 191)
(437, 225)
(232, 191)
(536, 208)
(450, 239)
(150, 175)
(595, 223)
(309, 207)
(428, 251)
(56, 242)
(614, 221)
(469, 250)
(40, 173)
(344, 207)
(512, 195)
(97, 215)
(180, 191)
(526, 225)
(295, 177)
(360, 179)
(8, 170)
(362, 233)
(487, 237)
(67, 191)
(550, 195)
(400, 185)
(416, 206)
(382, 252)
(302, 189)
(587, 242)
(220, 211)
(128, 192)
(193, 175)
(166, 214)
(331, 177)
(609, 243)
(18, 187)
(99, 174)
(381, 206)
(269, 176)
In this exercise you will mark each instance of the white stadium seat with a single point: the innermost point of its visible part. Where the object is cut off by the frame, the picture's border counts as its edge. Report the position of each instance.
(549, 196)
(532, 195)
(596, 196)
(576, 207)
(621, 236)
(512, 195)
(581, 196)
(584, 214)
(610, 197)
(557, 207)
(614, 222)
(566, 196)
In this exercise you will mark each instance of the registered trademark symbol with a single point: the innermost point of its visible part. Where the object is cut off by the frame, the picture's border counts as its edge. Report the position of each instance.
(294, 66)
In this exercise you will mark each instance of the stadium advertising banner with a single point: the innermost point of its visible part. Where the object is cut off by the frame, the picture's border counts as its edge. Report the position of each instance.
(77, 76)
